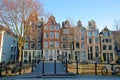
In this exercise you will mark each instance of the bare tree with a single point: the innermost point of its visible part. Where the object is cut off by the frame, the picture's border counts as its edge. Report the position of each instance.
(116, 33)
(13, 15)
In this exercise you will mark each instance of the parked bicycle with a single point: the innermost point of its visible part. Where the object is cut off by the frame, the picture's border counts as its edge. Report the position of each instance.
(114, 70)
(5, 69)
(16, 69)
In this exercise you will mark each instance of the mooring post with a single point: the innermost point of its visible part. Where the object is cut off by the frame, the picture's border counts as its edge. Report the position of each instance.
(54, 66)
(32, 64)
(43, 66)
(76, 67)
(66, 66)
(95, 68)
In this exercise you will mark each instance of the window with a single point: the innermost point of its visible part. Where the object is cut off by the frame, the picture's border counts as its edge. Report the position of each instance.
(57, 27)
(14, 49)
(103, 40)
(46, 54)
(57, 44)
(11, 48)
(82, 38)
(96, 33)
(106, 40)
(105, 33)
(83, 45)
(71, 46)
(90, 48)
(32, 45)
(65, 31)
(82, 31)
(51, 27)
(96, 40)
(64, 46)
(25, 54)
(90, 41)
(11, 56)
(104, 47)
(83, 56)
(51, 34)
(39, 30)
(104, 56)
(110, 47)
(96, 48)
(110, 40)
(89, 33)
(93, 28)
(77, 45)
(90, 57)
(96, 54)
(39, 24)
(46, 44)
(51, 43)
(39, 37)
(46, 27)
(38, 45)
(26, 45)
(111, 56)
(64, 38)
(57, 35)
(45, 35)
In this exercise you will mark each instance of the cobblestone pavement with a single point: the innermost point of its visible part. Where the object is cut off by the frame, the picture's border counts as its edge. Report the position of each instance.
(49, 69)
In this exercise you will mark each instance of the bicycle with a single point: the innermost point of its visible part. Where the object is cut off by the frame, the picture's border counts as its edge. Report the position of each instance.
(16, 69)
(6, 68)
(114, 70)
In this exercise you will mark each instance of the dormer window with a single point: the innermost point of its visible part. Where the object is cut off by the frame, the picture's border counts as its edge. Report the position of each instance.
(39, 24)
(105, 33)
(82, 31)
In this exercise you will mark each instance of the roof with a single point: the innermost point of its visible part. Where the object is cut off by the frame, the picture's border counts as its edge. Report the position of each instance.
(6, 29)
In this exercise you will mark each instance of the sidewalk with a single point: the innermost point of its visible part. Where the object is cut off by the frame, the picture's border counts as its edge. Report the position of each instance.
(37, 74)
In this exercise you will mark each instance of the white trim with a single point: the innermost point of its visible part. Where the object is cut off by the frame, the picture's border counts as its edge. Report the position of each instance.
(1, 44)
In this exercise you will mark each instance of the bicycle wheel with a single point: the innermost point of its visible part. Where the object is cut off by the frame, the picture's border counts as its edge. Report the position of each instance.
(104, 71)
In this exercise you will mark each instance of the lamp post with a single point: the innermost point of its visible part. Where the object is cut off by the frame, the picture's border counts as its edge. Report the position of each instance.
(66, 66)
(42, 63)
(54, 66)
(35, 61)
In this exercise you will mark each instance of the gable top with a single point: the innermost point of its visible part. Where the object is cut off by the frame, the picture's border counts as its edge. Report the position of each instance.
(51, 20)
(92, 24)
(79, 24)
(33, 16)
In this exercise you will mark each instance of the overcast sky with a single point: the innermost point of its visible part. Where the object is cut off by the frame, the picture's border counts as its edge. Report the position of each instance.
(104, 12)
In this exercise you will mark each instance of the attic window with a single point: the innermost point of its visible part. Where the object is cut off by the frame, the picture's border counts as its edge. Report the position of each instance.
(39, 24)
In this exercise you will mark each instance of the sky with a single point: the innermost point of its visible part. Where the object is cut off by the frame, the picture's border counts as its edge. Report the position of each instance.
(104, 12)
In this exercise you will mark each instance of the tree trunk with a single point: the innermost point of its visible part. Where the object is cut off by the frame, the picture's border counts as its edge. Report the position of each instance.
(20, 54)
